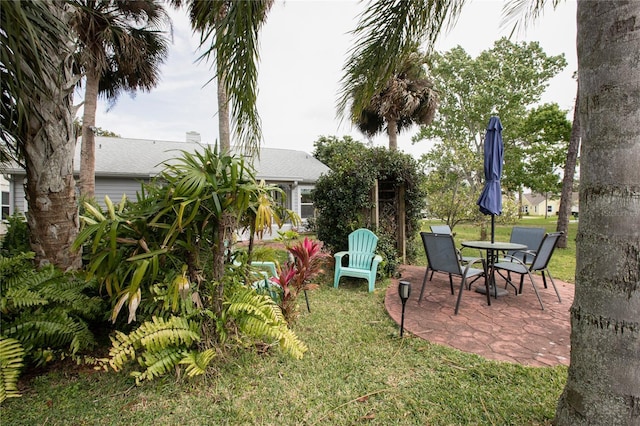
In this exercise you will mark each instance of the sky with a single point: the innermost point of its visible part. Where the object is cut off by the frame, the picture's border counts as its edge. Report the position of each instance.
(303, 47)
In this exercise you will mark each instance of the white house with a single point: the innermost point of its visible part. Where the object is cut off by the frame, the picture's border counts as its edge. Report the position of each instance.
(121, 164)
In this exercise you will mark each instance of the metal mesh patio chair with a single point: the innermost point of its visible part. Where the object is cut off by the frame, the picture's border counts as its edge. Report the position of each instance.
(540, 263)
(446, 229)
(443, 257)
(530, 237)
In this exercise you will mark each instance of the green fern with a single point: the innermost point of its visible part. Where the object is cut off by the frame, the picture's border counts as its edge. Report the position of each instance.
(152, 339)
(259, 317)
(15, 275)
(11, 356)
(44, 309)
(197, 362)
(157, 363)
(53, 328)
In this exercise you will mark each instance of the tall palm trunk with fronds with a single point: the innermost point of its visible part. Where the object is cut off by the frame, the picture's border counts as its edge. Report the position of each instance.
(122, 44)
(49, 147)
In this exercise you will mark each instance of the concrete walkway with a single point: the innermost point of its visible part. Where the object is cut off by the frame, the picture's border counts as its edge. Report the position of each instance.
(513, 329)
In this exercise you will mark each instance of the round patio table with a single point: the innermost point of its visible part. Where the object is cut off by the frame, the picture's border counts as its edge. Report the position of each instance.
(492, 249)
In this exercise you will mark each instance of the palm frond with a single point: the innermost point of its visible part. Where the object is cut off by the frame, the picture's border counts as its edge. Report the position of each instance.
(124, 42)
(231, 29)
(387, 31)
(521, 13)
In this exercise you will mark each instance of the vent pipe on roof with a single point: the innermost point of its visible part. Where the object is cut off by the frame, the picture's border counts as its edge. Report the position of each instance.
(193, 137)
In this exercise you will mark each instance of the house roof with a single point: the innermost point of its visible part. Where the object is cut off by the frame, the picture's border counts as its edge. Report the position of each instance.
(288, 165)
(132, 157)
(143, 158)
(534, 199)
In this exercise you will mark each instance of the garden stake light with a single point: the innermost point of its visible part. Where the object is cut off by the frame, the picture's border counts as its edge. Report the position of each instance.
(404, 290)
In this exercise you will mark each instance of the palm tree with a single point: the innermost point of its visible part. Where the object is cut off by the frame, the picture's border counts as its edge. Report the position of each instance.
(386, 35)
(231, 27)
(37, 121)
(407, 98)
(121, 46)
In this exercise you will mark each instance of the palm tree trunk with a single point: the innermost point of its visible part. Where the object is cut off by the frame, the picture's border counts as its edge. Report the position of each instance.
(603, 384)
(88, 149)
(392, 128)
(223, 114)
(49, 148)
(564, 211)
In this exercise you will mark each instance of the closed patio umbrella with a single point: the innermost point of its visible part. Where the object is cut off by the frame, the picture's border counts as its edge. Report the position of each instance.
(490, 200)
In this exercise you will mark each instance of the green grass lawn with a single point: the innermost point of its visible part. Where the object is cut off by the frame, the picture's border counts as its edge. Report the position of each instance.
(357, 371)
(562, 264)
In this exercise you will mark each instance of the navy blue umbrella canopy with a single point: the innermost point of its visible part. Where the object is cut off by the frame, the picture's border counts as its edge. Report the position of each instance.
(490, 200)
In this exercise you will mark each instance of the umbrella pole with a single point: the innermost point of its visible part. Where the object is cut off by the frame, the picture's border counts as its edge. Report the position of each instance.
(493, 228)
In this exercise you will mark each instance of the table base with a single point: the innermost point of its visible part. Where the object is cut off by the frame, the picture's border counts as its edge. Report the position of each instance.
(482, 289)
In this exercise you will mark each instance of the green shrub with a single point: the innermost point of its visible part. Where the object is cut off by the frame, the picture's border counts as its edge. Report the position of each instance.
(343, 196)
(168, 260)
(390, 259)
(47, 312)
(16, 240)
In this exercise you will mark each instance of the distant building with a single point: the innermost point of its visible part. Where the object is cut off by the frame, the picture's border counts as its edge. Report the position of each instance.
(537, 204)
(121, 164)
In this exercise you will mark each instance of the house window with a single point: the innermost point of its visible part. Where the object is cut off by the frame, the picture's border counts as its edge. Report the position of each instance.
(5, 205)
(549, 209)
(306, 204)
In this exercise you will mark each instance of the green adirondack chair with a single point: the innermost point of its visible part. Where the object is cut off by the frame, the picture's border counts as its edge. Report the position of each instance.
(362, 259)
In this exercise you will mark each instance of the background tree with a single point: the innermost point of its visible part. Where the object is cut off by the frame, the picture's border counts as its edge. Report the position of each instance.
(471, 90)
(544, 136)
(121, 47)
(99, 131)
(566, 197)
(37, 121)
(407, 98)
(386, 34)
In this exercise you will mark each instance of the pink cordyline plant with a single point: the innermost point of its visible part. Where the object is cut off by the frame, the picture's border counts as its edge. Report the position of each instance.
(294, 277)
(307, 258)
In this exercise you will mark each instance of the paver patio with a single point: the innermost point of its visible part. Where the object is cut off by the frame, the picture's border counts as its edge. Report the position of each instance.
(513, 329)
